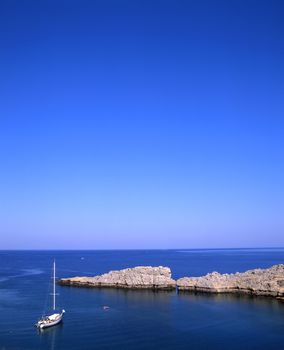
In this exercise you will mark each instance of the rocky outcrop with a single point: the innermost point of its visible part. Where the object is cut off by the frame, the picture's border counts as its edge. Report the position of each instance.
(141, 277)
(265, 282)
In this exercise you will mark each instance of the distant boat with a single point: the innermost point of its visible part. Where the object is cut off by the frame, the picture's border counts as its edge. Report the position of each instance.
(55, 318)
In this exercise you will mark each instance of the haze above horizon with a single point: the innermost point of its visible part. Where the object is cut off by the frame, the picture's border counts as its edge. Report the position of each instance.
(141, 124)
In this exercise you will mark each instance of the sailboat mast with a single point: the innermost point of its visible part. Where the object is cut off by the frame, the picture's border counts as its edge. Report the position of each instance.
(54, 285)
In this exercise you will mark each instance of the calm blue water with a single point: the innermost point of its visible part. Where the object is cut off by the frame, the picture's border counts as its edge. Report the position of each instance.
(136, 319)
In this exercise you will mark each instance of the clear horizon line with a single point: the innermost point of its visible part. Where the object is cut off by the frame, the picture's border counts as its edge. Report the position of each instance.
(136, 249)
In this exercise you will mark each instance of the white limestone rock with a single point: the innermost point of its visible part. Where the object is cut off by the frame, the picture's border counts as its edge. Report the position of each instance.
(265, 282)
(140, 277)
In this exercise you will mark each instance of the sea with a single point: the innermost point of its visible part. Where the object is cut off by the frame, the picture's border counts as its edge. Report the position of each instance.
(136, 319)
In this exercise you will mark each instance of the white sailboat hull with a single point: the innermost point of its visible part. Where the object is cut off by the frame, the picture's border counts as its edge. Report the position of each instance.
(50, 321)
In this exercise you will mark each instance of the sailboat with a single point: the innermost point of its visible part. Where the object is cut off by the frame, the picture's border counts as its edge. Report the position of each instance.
(55, 318)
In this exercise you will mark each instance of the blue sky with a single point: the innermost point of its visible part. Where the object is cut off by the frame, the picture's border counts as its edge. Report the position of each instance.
(141, 124)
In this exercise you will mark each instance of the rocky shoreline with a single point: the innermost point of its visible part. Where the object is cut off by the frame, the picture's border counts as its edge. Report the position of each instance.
(265, 282)
(140, 277)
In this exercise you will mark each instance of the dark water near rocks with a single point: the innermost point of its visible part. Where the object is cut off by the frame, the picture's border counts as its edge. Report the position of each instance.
(136, 319)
